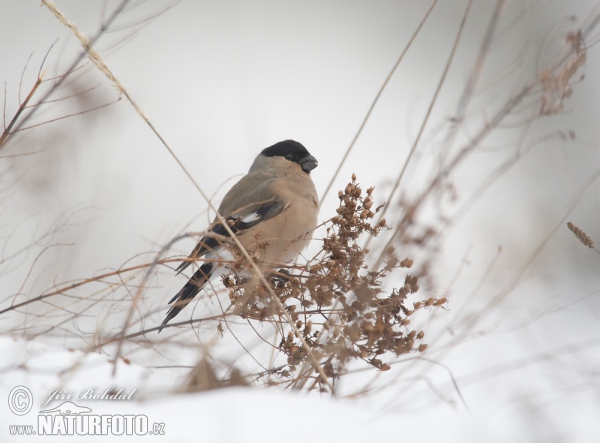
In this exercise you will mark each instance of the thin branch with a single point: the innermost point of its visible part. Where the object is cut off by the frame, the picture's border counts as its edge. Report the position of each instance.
(69, 115)
(475, 74)
(22, 107)
(364, 122)
(73, 66)
(73, 286)
(76, 94)
(427, 115)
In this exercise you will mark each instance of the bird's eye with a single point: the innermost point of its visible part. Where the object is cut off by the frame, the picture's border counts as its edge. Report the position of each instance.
(289, 157)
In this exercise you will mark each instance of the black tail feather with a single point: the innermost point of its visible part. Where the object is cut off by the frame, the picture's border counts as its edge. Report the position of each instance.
(188, 292)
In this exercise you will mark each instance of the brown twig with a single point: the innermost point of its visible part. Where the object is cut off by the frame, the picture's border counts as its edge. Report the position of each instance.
(105, 26)
(388, 78)
(428, 113)
(7, 132)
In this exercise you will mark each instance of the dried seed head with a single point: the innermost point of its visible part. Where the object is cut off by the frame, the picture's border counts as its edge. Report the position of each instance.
(406, 263)
(367, 328)
(336, 331)
(422, 348)
(581, 236)
(307, 328)
(391, 262)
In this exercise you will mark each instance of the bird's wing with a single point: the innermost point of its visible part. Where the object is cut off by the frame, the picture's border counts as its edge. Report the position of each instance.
(250, 202)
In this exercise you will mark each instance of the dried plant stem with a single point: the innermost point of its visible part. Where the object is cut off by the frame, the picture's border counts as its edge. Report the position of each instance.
(22, 107)
(97, 60)
(552, 82)
(475, 74)
(95, 108)
(92, 54)
(473, 143)
(428, 114)
(583, 189)
(73, 66)
(72, 286)
(364, 122)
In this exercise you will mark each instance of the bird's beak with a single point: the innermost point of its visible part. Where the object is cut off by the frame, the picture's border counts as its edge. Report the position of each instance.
(309, 163)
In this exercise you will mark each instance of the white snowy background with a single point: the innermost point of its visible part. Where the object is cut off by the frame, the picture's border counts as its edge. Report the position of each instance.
(223, 80)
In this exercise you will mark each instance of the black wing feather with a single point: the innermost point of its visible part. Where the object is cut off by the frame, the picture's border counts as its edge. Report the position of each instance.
(263, 212)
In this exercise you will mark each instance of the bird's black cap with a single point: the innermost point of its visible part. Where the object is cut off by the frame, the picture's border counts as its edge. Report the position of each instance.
(294, 152)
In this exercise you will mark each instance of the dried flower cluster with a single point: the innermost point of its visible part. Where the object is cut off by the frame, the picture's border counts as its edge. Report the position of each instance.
(337, 302)
(556, 80)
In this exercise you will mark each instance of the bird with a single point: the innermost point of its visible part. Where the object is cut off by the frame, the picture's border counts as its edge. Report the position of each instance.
(272, 210)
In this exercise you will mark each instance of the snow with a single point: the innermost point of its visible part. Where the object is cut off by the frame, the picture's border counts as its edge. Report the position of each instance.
(224, 415)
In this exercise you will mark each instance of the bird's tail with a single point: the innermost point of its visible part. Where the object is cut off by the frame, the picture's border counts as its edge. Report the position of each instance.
(188, 292)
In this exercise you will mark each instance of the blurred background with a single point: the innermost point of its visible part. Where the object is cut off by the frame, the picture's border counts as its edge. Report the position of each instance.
(517, 346)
